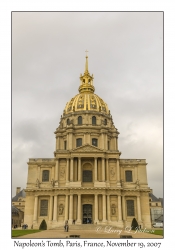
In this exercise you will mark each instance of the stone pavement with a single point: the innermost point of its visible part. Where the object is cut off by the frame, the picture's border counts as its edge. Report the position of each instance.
(96, 233)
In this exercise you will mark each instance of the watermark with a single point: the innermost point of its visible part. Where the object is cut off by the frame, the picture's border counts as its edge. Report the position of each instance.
(115, 230)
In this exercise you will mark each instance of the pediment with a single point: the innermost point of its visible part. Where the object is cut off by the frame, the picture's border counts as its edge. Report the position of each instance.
(87, 148)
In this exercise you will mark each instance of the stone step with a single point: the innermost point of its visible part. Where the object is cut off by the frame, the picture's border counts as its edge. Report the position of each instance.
(78, 227)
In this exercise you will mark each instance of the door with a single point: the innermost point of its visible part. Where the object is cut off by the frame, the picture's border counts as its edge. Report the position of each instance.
(87, 214)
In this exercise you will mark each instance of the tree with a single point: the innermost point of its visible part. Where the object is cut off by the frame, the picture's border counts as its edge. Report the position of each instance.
(134, 224)
(43, 225)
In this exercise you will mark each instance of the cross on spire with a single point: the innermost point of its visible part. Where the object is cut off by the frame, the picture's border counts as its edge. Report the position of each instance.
(86, 52)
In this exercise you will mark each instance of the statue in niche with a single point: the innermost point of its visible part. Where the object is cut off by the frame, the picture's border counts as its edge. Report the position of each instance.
(37, 183)
(113, 209)
(61, 209)
(112, 172)
(52, 182)
(137, 183)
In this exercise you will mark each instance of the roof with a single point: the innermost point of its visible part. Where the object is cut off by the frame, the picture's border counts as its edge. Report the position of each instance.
(161, 200)
(20, 194)
(153, 197)
(15, 210)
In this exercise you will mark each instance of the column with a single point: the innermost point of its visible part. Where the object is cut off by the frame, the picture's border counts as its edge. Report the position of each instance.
(55, 208)
(67, 170)
(107, 170)
(56, 172)
(119, 208)
(39, 167)
(95, 166)
(66, 207)
(102, 140)
(79, 169)
(71, 209)
(51, 208)
(96, 208)
(68, 141)
(115, 143)
(71, 169)
(108, 208)
(35, 208)
(103, 169)
(53, 173)
(106, 141)
(57, 143)
(79, 210)
(138, 209)
(123, 208)
(118, 173)
(84, 138)
(104, 208)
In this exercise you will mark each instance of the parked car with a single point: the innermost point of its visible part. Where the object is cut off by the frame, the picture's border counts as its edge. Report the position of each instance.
(158, 224)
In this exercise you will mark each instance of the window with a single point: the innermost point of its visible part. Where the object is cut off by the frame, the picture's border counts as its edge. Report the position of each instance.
(65, 145)
(108, 145)
(79, 142)
(44, 208)
(94, 142)
(45, 176)
(130, 208)
(68, 121)
(93, 120)
(80, 120)
(105, 121)
(128, 176)
(87, 176)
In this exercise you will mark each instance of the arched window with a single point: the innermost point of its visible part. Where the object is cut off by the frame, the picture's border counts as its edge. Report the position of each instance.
(68, 121)
(45, 175)
(130, 207)
(95, 142)
(93, 120)
(128, 176)
(80, 120)
(87, 176)
(79, 142)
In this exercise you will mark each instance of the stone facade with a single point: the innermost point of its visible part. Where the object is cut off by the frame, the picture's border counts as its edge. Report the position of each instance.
(86, 181)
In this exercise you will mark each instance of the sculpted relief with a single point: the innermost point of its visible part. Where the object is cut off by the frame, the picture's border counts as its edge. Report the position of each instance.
(112, 173)
(62, 173)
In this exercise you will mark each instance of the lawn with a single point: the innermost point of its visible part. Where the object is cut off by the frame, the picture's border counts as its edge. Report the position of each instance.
(17, 233)
(158, 232)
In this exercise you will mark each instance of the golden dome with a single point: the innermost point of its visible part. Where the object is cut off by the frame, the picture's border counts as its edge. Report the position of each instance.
(86, 99)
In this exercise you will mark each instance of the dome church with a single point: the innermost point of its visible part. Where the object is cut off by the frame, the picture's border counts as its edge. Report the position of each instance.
(86, 182)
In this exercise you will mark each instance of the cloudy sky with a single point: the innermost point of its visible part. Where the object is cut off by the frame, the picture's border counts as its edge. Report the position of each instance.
(126, 58)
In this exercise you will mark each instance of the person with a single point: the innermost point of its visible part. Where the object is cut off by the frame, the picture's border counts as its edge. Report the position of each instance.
(66, 227)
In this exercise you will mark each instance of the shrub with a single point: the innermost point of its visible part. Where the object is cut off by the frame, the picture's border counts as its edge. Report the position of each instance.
(43, 225)
(134, 224)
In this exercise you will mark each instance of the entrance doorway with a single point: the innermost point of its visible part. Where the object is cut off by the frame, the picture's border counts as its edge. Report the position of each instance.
(87, 214)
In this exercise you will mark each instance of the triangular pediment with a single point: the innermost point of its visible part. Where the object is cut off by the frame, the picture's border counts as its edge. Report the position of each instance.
(87, 148)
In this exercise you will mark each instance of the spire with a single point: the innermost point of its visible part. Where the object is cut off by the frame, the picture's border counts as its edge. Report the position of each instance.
(86, 81)
(86, 65)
